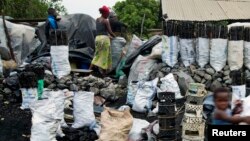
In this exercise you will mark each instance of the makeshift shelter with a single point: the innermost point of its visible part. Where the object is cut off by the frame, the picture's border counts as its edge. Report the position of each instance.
(23, 40)
(30, 43)
(81, 32)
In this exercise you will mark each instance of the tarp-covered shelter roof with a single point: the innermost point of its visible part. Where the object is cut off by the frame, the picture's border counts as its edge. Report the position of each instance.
(206, 10)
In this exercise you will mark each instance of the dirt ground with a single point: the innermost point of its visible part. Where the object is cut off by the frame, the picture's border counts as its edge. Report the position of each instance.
(16, 124)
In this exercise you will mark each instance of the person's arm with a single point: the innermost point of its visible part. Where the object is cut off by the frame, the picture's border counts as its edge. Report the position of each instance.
(233, 119)
(109, 28)
(238, 107)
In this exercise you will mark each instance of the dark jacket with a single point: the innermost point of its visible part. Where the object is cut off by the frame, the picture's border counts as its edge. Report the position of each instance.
(51, 23)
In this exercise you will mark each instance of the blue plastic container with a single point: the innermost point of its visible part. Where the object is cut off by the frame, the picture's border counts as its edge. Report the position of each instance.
(84, 66)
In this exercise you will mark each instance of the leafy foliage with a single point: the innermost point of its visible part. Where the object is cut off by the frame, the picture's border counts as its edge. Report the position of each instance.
(131, 12)
(30, 8)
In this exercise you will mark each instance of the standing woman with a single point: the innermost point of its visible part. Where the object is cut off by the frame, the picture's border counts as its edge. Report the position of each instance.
(103, 58)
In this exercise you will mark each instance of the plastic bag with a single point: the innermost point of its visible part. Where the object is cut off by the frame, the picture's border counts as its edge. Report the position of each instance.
(141, 69)
(246, 107)
(247, 54)
(116, 48)
(23, 40)
(83, 109)
(156, 51)
(145, 95)
(60, 61)
(28, 97)
(235, 54)
(169, 84)
(170, 50)
(1, 66)
(135, 132)
(115, 125)
(44, 124)
(3, 42)
(132, 90)
(58, 98)
(119, 71)
(238, 93)
(187, 51)
(218, 53)
(134, 45)
(202, 51)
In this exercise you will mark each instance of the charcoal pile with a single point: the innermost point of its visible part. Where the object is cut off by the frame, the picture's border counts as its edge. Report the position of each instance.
(104, 87)
(206, 75)
(83, 134)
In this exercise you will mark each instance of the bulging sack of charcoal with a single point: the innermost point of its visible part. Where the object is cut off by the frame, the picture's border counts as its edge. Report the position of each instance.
(235, 54)
(170, 50)
(145, 95)
(247, 54)
(44, 124)
(202, 51)
(132, 90)
(83, 109)
(169, 84)
(187, 51)
(1, 66)
(58, 98)
(156, 51)
(135, 132)
(29, 95)
(218, 53)
(60, 61)
(134, 45)
(238, 93)
(246, 107)
(115, 125)
(117, 45)
(141, 69)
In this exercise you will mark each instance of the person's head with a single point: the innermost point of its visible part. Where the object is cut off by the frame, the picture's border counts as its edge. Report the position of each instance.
(221, 98)
(52, 11)
(113, 16)
(104, 11)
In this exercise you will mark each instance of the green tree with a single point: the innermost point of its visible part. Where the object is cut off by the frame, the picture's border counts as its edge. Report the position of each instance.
(131, 12)
(30, 8)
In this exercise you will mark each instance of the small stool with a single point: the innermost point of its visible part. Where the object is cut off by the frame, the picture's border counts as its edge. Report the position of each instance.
(168, 110)
(192, 131)
(196, 89)
(190, 118)
(166, 122)
(196, 100)
(167, 134)
(166, 97)
(194, 109)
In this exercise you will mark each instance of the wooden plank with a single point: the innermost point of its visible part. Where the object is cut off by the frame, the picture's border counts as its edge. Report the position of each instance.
(81, 70)
(8, 38)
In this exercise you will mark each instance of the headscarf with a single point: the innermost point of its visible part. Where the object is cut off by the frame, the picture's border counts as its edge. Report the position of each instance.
(104, 11)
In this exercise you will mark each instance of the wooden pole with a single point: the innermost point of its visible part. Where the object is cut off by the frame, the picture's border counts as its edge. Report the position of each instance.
(142, 25)
(8, 38)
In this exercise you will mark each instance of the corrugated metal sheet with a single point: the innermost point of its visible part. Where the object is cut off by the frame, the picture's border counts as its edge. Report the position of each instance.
(205, 10)
(236, 10)
(233, 0)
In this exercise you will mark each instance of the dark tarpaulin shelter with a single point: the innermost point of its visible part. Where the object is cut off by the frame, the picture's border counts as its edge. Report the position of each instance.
(81, 32)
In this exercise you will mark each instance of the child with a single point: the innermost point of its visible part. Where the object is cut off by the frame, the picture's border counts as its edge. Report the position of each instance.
(223, 115)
